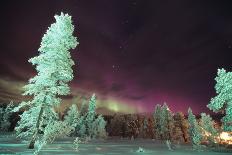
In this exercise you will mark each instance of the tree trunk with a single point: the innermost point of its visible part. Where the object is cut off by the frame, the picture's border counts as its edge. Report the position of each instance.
(33, 139)
(184, 136)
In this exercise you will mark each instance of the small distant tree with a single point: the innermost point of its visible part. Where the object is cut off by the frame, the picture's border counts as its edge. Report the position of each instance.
(90, 116)
(81, 128)
(223, 100)
(72, 117)
(163, 122)
(180, 128)
(145, 127)
(54, 67)
(167, 122)
(207, 125)
(89, 124)
(157, 121)
(5, 114)
(195, 131)
(100, 125)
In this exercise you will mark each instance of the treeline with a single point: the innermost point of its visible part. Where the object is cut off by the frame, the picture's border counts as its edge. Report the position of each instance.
(162, 125)
(165, 125)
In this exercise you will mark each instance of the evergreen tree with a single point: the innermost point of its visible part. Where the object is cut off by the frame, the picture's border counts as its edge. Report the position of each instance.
(207, 125)
(145, 127)
(223, 100)
(166, 122)
(90, 116)
(5, 114)
(54, 67)
(72, 117)
(195, 131)
(99, 126)
(180, 128)
(157, 121)
(81, 127)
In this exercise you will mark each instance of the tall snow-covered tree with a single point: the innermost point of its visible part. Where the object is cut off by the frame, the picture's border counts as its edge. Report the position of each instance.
(223, 100)
(195, 131)
(54, 68)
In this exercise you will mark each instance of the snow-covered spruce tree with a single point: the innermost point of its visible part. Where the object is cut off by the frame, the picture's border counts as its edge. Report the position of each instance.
(54, 67)
(93, 125)
(157, 121)
(5, 114)
(195, 131)
(223, 100)
(90, 116)
(167, 122)
(80, 129)
(99, 125)
(72, 117)
(207, 125)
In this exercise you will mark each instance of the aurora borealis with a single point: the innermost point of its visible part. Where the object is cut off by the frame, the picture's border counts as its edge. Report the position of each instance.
(133, 53)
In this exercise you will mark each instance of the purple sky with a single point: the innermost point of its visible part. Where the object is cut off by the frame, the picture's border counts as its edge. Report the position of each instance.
(135, 51)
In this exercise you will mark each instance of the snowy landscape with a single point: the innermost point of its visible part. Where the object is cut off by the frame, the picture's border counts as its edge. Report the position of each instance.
(10, 145)
(39, 124)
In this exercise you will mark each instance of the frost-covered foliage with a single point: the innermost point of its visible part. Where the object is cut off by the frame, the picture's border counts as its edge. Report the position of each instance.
(167, 122)
(81, 128)
(157, 121)
(163, 122)
(72, 117)
(5, 114)
(195, 131)
(53, 130)
(95, 127)
(223, 100)
(54, 67)
(76, 143)
(140, 150)
(207, 125)
(90, 116)
(87, 125)
(100, 124)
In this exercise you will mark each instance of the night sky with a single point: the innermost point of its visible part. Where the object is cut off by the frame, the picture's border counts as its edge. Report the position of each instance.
(132, 53)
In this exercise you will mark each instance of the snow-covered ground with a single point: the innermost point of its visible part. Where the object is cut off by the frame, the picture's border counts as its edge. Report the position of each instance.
(10, 145)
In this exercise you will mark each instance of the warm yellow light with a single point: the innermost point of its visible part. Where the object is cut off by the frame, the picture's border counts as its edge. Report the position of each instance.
(226, 137)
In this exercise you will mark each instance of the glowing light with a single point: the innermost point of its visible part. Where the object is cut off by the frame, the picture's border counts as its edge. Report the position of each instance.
(226, 137)
(117, 106)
